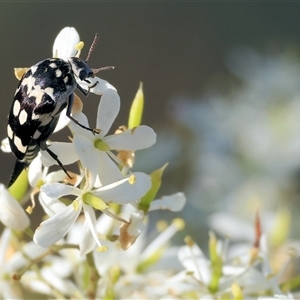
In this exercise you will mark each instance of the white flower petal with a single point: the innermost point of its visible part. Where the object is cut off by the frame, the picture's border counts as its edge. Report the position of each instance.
(103, 259)
(275, 297)
(9, 290)
(108, 171)
(108, 110)
(194, 261)
(59, 175)
(123, 192)
(33, 282)
(63, 121)
(5, 147)
(55, 228)
(20, 258)
(104, 224)
(173, 202)
(73, 236)
(100, 85)
(65, 42)
(61, 266)
(82, 119)
(12, 215)
(228, 224)
(64, 151)
(88, 156)
(35, 172)
(87, 242)
(6, 239)
(89, 236)
(51, 206)
(133, 139)
(63, 285)
(57, 190)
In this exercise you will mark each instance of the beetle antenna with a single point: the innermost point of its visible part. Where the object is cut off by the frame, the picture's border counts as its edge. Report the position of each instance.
(95, 71)
(93, 46)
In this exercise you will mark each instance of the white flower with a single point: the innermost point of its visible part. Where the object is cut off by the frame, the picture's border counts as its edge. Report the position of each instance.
(194, 260)
(65, 46)
(12, 215)
(129, 232)
(145, 265)
(57, 226)
(250, 269)
(65, 43)
(37, 175)
(95, 151)
(15, 257)
(54, 273)
(276, 297)
(8, 288)
(52, 276)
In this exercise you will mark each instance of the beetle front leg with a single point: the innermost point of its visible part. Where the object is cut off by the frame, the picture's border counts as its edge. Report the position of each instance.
(83, 91)
(69, 109)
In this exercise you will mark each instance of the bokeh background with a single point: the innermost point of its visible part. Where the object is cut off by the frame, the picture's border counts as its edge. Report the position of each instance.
(221, 83)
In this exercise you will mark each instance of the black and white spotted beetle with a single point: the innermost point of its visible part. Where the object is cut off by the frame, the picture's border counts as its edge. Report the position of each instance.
(43, 92)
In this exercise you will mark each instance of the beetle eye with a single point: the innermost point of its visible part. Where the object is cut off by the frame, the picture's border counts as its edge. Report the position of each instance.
(82, 75)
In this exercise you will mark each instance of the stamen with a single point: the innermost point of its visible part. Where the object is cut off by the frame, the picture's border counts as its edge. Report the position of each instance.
(132, 179)
(113, 216)
(102, 249)
(79, 47)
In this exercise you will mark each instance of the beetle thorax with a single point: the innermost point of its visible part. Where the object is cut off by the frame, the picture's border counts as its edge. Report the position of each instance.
(80, 68)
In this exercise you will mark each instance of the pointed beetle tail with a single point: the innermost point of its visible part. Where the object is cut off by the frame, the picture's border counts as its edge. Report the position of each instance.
(19, 167)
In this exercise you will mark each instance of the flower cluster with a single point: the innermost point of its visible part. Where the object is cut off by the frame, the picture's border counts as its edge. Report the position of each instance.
(244, 140)
(95, 240)
(102, 205)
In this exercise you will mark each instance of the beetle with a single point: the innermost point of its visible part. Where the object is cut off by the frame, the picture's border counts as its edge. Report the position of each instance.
(42, 94)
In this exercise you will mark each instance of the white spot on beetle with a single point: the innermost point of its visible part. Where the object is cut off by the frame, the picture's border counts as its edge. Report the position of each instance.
(23, 117)
(29, 81)
(39, 97)
(33, 69)
(49, 91)
(19, 145)
(34, 116)
(9, 132)
(16, 108)
(53, 65)
(58, 73)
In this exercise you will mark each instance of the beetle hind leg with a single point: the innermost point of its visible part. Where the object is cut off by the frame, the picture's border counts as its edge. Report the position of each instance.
(69, 109)
(55, 157)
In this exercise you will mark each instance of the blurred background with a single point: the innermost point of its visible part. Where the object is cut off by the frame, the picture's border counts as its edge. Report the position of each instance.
(221, 83)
